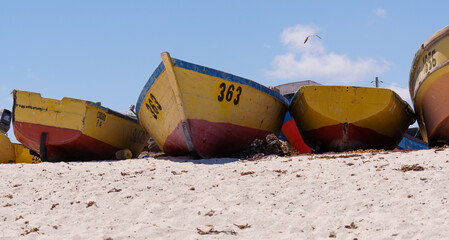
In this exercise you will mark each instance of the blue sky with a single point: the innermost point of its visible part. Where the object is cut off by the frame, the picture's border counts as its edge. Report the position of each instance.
(106, 50)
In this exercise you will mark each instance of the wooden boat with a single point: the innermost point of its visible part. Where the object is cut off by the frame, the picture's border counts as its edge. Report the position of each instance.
(412, 140)
(339, 118)
(73, 129)
(429, 87)
(289, 130)
(191, 109)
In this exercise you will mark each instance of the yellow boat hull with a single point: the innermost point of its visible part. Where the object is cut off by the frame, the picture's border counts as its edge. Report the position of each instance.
(338, 118)
(429, 87)
(15, 153)
(191, 109)
(73, 129)
(6, 150)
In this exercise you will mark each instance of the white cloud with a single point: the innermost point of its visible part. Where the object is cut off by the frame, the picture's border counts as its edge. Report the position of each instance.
(380, 12)
(266, 45)
(311, 60)
(294, 38)
(404, 93)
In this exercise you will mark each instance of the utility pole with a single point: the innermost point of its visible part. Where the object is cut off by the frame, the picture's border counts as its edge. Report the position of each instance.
(377, 82)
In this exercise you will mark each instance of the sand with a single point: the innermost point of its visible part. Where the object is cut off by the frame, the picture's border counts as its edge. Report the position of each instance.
(368, 195)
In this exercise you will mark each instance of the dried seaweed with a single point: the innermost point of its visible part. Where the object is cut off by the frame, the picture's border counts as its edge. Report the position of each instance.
(36, 230)
(213, 231)
(115, 190)
(406, 168)
(242, 226)
(247, 173)
(90, 204)
(351, 226)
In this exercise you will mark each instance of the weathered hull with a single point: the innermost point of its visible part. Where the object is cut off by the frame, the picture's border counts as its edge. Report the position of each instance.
(191, 109)
(211, 139)
(72, 129)
(333, 118)
(64, 144)
(429, 87)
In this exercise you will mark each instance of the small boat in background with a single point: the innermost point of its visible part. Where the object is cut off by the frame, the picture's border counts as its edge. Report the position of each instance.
(429, 88)
(412, 140)
(194, 110)
(72, 129)
(289, 129)
(343, 118)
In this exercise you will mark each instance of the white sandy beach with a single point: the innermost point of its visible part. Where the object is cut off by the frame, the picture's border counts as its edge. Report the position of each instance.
(340, 195)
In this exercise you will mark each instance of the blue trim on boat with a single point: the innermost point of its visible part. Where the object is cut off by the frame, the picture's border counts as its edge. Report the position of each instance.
(210, 72)
(148, 85)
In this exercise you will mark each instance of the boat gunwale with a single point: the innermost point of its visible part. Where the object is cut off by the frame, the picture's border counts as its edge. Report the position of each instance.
(210, 72)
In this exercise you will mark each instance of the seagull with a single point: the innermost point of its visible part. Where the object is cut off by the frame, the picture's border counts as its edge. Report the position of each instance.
(311, 35)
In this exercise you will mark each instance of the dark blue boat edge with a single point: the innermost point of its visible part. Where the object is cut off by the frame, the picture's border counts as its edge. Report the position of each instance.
(148, 85)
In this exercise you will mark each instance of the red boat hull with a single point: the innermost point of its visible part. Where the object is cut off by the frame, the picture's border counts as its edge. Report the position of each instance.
(348, 137)
(211, 139)
(291, 132)
(63, 144)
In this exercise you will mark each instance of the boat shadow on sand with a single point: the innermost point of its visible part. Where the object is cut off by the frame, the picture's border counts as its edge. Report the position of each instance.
(207, 161)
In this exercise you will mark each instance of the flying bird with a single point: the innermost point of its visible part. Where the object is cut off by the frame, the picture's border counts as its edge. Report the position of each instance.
(311, 35)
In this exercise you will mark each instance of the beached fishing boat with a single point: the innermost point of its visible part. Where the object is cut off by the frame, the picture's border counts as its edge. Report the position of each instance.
(340, 118)
(429, 88)
(191, 109)
(412, 140)
(73, 129)
(289, 129)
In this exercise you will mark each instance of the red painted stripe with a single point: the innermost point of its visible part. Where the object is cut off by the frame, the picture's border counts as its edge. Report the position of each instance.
(333, 139)
(63, 144)
(291, 132)
(212, 139)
